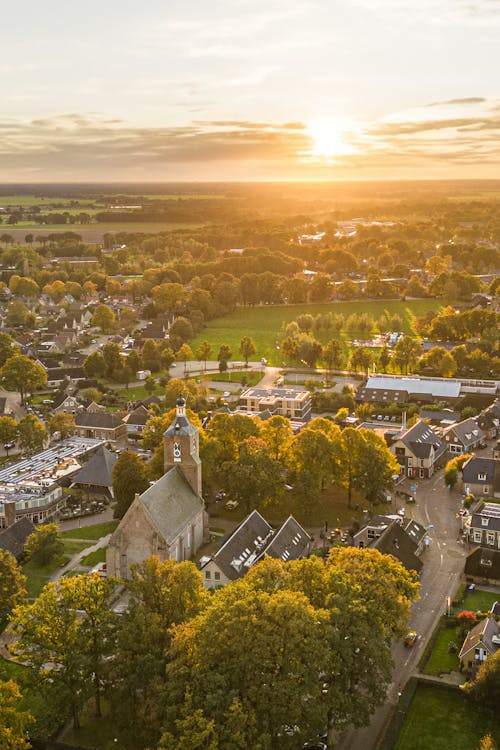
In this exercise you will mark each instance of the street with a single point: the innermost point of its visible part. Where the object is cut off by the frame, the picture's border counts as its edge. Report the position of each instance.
(443, 565)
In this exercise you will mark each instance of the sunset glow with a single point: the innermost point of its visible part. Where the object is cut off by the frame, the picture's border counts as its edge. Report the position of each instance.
(328, 138)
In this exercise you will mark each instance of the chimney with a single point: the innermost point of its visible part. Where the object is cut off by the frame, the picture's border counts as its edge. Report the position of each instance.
(10, 514)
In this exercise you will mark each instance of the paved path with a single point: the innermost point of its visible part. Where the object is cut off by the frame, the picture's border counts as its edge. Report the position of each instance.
(74, 562)
(443, 567)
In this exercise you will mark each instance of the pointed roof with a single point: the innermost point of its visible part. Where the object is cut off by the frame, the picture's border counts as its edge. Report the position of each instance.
(171, 504)
(483, 634)
(181, 424)
(98, 471)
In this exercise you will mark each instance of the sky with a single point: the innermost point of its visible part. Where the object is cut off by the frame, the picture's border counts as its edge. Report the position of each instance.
(166, 90)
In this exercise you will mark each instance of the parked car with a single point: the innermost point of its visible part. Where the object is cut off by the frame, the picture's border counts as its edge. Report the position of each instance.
(231, 505)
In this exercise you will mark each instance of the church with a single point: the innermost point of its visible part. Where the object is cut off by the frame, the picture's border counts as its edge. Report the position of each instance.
(169, 519)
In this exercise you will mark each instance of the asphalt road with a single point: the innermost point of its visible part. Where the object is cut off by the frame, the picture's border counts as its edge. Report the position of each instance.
(443, 565)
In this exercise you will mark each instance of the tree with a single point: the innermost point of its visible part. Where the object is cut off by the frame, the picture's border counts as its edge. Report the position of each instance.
(224, 355)
(384, 358)
(150, 384)
(7, 348)
(163, 595)
(62, 423)
(332, 354)
(255, 479)
(12, 584)
(487, 743)
(32, 433)
(406, 353)
(217, 653)
(65, 636)
(277, 433)
(151, 358)
(485, 689)
(104, 318)
(44, 544)
(203, 352)
(8, 430)
(13, 721)
(20, 373)
(184, 355)
(94, 365)
(247, 348)
(361, 359)
(167, 358)
(367, 464)
(129, 479)
(112, 358)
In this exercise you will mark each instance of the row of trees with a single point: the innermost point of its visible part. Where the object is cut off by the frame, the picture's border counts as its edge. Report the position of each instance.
(301, 645)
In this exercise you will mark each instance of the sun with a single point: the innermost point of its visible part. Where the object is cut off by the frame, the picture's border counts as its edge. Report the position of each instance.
(328, 138)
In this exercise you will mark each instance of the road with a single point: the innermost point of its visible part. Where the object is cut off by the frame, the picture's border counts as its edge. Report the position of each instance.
(443, 565)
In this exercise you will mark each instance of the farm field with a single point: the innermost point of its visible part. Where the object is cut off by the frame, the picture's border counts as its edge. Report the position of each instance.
(264, 324)
(93, 232)
(442, 718)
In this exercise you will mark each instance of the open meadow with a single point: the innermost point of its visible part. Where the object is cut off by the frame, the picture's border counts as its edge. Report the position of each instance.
(265, 323)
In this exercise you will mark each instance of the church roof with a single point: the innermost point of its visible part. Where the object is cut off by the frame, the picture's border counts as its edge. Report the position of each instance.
(181, 424)
(98, 471)
(171, 503)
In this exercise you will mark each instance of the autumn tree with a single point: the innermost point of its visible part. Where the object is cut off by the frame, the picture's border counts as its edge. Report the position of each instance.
(406, 353)
(44, 544)
(13, 720)
(62, 423)
(163, 595)
(104, 318)
(277, 434)
(129, 479)
(8, 430)
(12, 584)
(224, 356)
(113, 359)
(22, 374)
(94, 365)
(184, 354)
(247, 348)
(7, 348)
(203, 352)
(485, 688)
(332, 355)
(151, 357)
(254, 478)
(31, 433)
(361, 359)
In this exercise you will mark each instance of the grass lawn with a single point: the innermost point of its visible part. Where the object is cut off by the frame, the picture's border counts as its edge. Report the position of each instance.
(265, 324)
(480, 601)
(38, 575)
(443, 719)
(93, 733)
(31, 700)
(248, 377)
(91, 532)
(137, 393)
(440, 660)
(97, 556)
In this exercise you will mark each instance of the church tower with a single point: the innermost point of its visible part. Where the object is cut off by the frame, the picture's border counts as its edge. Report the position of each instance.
(181, 445)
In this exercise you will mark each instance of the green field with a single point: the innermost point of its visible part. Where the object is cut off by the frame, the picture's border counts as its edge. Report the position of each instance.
(480, 601)
(444, 719)
(91, 532)
(440, 661)
(264, 324)
(248, 377)
(97, 556)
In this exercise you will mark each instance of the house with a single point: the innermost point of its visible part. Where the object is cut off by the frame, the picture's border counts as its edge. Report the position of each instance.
(481, 477)
(249, 543)
(136, 421)
(57, 376)
(169, 519)
(100, 425)
(484, 528)
(463, 437)
(480, 643)
(63, 403)
(294, 403)
(489, 420)
(13, 538)
(96, 476)
(482, 565)
(440, 417)
(401, 538)
(419, 451)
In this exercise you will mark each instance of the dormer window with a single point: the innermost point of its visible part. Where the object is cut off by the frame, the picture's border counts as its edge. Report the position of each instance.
(481, 477)
(485, 521)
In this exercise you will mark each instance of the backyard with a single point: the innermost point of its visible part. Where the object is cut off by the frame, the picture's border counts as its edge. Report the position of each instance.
(444, 719)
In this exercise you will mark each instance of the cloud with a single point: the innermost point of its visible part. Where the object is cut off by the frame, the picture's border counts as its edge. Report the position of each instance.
(452, 102)
(477, 12)
(459, 140)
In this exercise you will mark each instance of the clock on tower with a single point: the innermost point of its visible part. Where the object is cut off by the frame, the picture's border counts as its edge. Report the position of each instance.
(177, 452)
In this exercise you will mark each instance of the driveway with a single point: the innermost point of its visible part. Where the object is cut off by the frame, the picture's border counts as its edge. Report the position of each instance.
(435, 508)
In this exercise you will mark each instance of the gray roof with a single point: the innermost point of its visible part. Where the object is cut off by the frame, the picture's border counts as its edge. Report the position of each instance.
(490, 512)
(420, 438)
(475, 466)
(444, 388)
(415, 531)
(138, 416)
(98, 471)
(181, 426)
(104, 419)
(481, 633)
(171, 503)
(254, 539)
(396, 542)
(468, 432)
(14, 537)
(439, 415)
(483, 562)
